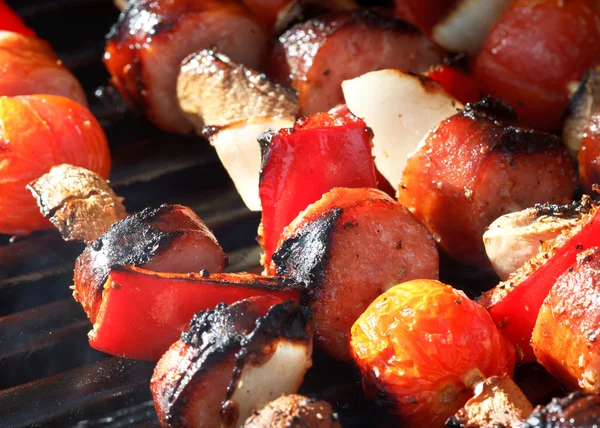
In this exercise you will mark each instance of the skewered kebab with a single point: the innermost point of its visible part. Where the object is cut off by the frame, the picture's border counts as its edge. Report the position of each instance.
(535, 79)
(130, 272)
(361, 40)
(302, 163)
(513, 239)
(419, 344)
(232, 361)
(38, 132)
(472, 168)
(151, 38)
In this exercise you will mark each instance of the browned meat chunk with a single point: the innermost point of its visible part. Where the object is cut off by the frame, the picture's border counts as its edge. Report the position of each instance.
(316, 56)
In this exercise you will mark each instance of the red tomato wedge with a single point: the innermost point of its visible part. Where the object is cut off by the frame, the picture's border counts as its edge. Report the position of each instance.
(535, 50)
(300, 164)
(38, 132)
(10, 21)
(514, 306)
(144, 312)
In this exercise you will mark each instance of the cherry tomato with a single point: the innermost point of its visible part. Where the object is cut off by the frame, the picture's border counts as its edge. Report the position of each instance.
(36, 133)
(534, 51)
(417, 342)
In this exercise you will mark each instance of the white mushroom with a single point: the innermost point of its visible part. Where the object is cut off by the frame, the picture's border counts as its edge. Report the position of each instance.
(514, 238)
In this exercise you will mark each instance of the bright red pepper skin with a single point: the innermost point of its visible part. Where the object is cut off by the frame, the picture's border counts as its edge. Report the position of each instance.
(456, 82)
(514, 304)
(10, 21)
(382, 183)
(534, 51)
(143, 313)
(300, 164)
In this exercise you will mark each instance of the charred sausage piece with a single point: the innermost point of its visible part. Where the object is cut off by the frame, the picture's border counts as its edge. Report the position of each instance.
(511, 240)
(232, 361)
(171, 238)
(565, 335)
(78, 202)
(30, 66)
(471, 169)
(294, 411)
(574, 411)
(348, 248)
(314, 57)
(151, 38)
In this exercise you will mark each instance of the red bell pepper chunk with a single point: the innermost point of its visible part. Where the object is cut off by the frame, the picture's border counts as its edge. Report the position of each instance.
(515, 309)
(300, 164)
(144, 312)
(10, 21)
(456, 82)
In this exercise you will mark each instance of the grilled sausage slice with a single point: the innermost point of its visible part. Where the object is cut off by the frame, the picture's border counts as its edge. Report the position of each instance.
(471, 169)
(151, 38)
(171, 238)
(314, 57)
(30, 66)
(348, 248)
(565, 335)
(232, 360)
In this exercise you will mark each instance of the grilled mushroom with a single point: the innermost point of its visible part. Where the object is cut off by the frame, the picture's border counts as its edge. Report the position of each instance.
(348, 248)
(294, 411)
(232, 361)
(213, 90)
(498, 402)
(514, 238)
(78, 202)
(171, 238)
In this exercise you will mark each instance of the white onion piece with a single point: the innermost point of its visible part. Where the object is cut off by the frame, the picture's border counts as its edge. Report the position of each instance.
(239, 152)
(401, 109)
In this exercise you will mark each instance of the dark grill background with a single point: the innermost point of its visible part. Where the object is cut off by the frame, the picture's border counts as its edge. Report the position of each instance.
(49, 375)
